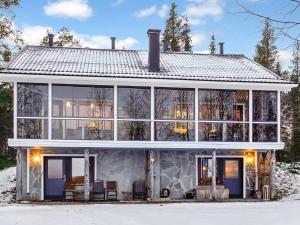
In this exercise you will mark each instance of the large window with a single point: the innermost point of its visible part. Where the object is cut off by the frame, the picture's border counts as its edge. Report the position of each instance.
(82, 112)
(174, 114)
(264, 116)
(223, 115)
(32, 111)
(134, 113)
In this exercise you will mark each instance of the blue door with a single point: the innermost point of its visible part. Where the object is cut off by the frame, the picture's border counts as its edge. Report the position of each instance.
(233, 177)
(54, 177)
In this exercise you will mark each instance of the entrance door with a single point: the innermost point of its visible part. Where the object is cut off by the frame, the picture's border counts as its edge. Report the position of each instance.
(233, 177)
(54, 177)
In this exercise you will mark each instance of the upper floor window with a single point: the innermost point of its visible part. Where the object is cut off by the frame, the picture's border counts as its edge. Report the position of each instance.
(82, 101)
(134, 113)
(229, 105)
(174, 114)
(32, 100)
(32, 111)
(264, 106)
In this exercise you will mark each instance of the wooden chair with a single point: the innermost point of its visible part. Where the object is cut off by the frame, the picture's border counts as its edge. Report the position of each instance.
(139, 190)
(98, 190)
(111, 190)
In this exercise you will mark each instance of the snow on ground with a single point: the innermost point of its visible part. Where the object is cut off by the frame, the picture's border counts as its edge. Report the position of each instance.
(281, 212)
(7, 184)
(258, 213)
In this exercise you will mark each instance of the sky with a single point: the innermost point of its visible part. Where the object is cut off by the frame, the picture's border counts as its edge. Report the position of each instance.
(93, 22)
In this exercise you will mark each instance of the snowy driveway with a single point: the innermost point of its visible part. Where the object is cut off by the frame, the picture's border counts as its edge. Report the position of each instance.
(275, 213)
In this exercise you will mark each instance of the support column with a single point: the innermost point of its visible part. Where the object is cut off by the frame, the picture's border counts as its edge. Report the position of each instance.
(19, 175)
(214, 172)
(272, 173)
(156, 174)
(86, 175)
(151, 159)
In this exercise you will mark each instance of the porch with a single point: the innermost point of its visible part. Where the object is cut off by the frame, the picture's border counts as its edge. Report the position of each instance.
(240, 174)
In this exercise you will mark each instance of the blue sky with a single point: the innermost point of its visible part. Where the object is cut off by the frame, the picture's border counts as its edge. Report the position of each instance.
(94, 21)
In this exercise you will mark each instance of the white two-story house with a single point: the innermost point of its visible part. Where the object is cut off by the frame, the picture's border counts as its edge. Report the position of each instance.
(173, 120)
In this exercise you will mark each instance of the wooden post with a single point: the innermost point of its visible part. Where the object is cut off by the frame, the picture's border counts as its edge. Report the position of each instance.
(86, 175)
(19, 175)
(214, 173)
(272, 174)
(151, 159)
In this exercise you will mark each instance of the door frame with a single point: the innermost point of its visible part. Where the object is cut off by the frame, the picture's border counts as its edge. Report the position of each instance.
(225, 156)
(62, 155)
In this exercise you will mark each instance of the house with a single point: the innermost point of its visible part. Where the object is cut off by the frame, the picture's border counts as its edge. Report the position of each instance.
(175, 120)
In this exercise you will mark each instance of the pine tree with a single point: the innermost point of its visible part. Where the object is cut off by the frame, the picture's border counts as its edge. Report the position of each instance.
(212, 45)
(173, 29)
(266, 50)
(64, 38)
(186, 38)
(295, 101)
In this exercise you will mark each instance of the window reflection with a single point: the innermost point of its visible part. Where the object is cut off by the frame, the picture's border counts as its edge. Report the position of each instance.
(264, 132)
(32, 128)
(230, 105)
(82, 101)
(172, 103)
(174, 131)
(134, 103)
(264, 106)
(223, 132)
(32, 100)
(134, 130)
(82, 129)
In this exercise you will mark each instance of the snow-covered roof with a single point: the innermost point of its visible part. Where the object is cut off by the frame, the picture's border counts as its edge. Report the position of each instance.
(64, 61)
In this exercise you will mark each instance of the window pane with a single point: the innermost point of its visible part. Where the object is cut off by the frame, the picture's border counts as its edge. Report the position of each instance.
(134, 130)
(32, 128)
(174, 103)
(174, 131)
(223, 105)
(82, 101)
(134, 103)
(223, 132)
(264, 106)
(82, 129)
(264, 132)
(231, 169)
(55, 169)
(77, 169)
(32, 100)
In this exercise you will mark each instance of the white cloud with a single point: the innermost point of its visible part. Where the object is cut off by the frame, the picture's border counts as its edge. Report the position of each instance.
(202, 9)
(33, 35)
(162, 11)
(146, 12)
(118, 2)
(77, 9)
(284, 57)
(197, 39)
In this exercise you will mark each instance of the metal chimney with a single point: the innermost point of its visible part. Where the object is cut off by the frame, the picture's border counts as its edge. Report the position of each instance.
(113, 42)
(154, 50)
(221, 44)
(50, 39)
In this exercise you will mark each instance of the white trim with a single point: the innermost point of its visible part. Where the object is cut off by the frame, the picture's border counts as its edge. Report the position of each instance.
(152, 113)
(115, 112)
(144, 82)
(196, 111)
(50, 111)
(225, 156)
(144, 144)
(15, 109)
(63, 155)
(278, 117)
(250, 116)
(28, 171)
